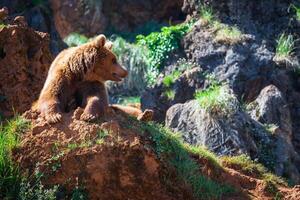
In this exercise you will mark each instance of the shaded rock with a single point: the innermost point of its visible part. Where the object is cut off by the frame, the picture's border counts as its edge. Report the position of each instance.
(271, 109)
(94, 17)
(24, 61)
(183, 89)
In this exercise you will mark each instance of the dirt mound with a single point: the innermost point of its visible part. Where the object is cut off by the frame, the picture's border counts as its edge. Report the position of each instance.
(110, 162)
(24, 61)
(114, 159)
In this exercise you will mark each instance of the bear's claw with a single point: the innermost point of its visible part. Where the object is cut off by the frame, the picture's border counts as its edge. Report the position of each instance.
(146, 116)
(53, 118)
(88, 117)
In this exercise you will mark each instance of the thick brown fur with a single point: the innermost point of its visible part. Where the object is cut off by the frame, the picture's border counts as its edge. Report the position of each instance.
(80, 73)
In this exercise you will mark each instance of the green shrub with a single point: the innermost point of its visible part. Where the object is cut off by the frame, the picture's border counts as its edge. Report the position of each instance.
(217, 100)
(170, 94)
(75, 39)
(161, 44)
(129, 100)
(79, 194)
(169, 146)
(284, 48)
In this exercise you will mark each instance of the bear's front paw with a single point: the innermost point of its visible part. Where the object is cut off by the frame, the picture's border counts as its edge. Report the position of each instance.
(53, 117)
(88, 117)
(146, 116)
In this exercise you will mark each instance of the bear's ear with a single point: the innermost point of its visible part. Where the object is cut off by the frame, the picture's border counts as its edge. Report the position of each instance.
(109, 45)
(100, 40)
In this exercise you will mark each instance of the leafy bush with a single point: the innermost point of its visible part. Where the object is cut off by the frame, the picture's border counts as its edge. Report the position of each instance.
(284, 48)
(75, 39)
(160, 44)
(217, 100)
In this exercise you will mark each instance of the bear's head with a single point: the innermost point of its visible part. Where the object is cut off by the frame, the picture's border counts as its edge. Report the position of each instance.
(106, 66)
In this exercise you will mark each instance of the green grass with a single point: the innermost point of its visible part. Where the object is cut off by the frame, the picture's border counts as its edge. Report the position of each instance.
(75, 39)
(170, 79)
(79, 194)
(207, 13)
(217, 100)
(228, 35)
(170, 94)
(244, 164)
(285, 47)
(169, 147)
(129, 100)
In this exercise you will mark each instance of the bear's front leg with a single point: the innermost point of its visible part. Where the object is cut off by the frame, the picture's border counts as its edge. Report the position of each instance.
(50, 110)
(95, 108)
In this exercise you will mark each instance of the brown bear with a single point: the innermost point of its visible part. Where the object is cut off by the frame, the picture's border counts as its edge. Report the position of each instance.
(80, 73)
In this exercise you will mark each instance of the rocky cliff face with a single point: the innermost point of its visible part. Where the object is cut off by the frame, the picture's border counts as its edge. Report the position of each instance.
(24, 62)
(94, 17)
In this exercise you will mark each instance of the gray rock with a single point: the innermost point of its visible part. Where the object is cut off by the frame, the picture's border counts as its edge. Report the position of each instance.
(271, 108)
(184, 89)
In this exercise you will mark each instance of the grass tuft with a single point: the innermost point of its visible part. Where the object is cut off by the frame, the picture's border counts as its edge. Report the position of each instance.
(170, 79)
(217, 100)
(297, 10)
(207, 14)
(285, 47)
(229, 35)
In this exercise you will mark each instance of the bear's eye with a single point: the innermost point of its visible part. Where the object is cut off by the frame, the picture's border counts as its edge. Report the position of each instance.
(114, 61)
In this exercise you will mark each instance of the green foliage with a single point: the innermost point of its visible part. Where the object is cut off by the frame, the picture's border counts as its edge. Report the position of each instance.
(129, 100)
(170, 79)
(297, 10)
(36, 191)
(168, 146)
(38, 2)
(170, 94)
(75, 39)
(182, 64)
(79, 194)
(12, 184)
(248, 166)
(160, 44)
(271, 128)
(2, 25)
(285, 47)
(217, 100)
(206, 13)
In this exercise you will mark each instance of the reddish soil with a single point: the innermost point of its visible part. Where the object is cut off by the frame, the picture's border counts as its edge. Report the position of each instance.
(24, 61)
(120, 166)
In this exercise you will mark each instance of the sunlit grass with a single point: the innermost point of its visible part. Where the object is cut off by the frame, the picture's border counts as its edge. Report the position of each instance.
(285, 47)
(229, 35)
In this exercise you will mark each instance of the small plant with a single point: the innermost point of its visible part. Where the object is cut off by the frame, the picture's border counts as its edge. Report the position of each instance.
(2, 25)
(206, 13)
(75, 39)
(170, 79)
(182, 64)
(36, 191)
(284, 48)
(297, 10)
(79, 194)
(170, 94)
(217, 100)
(229, 35)
(271, 128)
(129, 100)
